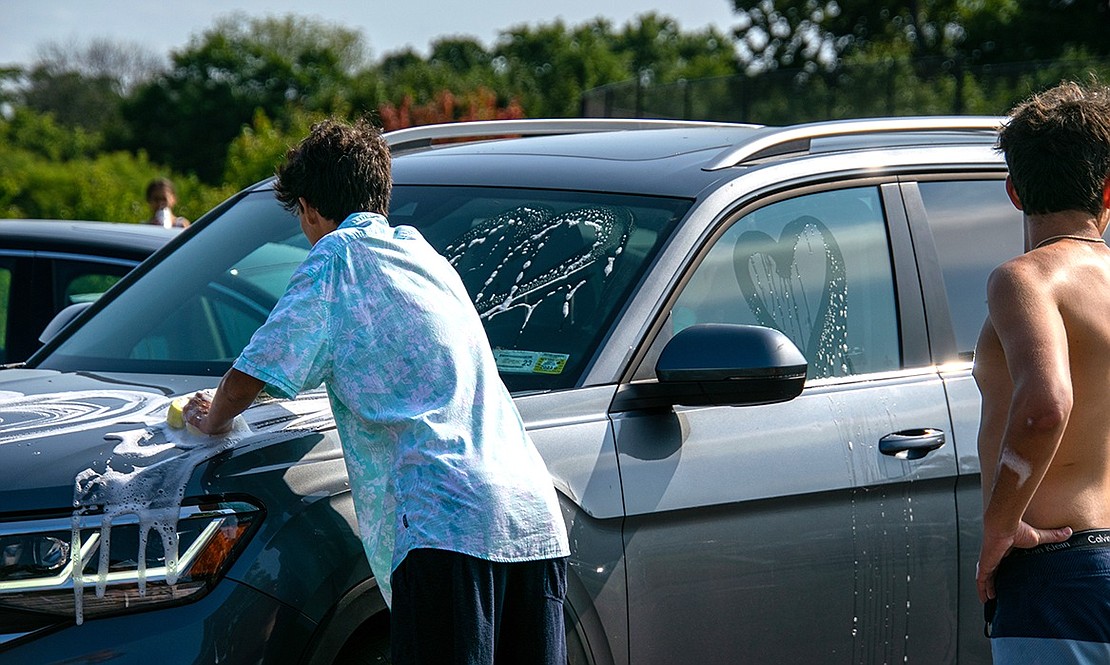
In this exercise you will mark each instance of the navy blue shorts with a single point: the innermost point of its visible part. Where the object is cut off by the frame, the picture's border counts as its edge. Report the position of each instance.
(1053, 603)
(453, 609)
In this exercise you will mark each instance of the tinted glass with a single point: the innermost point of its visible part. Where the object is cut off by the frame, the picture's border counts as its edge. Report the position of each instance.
(975, 228)
(85, 281)
(547, 270)
(816, 267)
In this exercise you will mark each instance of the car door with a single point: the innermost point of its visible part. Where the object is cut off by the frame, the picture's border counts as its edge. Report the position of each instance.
(17, 301)
(963, 228)
(46, 282)
(816, 530)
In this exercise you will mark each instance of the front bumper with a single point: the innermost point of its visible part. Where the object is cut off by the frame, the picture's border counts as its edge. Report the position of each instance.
(232, 624)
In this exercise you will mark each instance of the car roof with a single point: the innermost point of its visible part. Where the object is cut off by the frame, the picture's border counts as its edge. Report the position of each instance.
(666, 158)
(666, 162)
(649, 157)
(114, 239)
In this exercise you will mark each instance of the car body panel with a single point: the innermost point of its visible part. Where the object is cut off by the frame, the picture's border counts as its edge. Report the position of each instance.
(211, 630)
(712, 516)
(772, 532)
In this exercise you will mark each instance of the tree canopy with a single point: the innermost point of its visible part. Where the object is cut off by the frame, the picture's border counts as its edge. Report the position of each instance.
(818, 34)
(188, 116)
(222, 110)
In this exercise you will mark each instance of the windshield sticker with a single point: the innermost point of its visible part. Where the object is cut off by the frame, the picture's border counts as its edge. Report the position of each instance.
(529, 362)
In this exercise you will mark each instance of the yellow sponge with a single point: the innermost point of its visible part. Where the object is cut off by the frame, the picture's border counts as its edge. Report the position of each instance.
(175, 416)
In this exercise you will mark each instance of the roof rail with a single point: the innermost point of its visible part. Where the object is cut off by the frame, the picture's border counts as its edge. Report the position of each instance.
(412, 138)
(773, 141)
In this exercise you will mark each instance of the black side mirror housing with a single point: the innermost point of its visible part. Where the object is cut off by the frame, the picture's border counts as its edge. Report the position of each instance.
(721, 364)
(61, 320)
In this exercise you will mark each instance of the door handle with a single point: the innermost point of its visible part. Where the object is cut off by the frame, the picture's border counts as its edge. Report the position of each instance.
(911, 443)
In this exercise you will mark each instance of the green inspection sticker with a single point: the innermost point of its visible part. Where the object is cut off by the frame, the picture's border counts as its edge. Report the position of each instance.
(511, 361)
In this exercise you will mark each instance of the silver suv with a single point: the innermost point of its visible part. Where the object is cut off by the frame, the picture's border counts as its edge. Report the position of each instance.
(744, 352)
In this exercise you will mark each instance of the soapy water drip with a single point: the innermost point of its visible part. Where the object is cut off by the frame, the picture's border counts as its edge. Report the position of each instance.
(161, 461)
(156, 463)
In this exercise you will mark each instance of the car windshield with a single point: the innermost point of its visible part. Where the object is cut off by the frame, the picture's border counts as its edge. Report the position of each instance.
(548, 272)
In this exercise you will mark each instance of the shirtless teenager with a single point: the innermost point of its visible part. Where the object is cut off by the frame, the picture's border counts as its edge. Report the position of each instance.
(1042, 364)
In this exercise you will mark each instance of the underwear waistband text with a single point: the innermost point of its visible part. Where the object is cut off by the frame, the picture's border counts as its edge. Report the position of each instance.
(1078, 540)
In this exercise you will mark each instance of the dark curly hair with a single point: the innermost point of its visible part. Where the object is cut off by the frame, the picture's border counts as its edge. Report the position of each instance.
(1057, 147)
(339, 169)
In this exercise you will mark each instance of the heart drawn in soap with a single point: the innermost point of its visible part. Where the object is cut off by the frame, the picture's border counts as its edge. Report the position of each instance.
(797, 284)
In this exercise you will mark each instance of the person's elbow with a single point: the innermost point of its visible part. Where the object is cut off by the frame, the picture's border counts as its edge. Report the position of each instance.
(1047, 412)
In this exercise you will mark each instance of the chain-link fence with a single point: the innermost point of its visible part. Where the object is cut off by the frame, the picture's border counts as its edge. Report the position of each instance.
(892, 88)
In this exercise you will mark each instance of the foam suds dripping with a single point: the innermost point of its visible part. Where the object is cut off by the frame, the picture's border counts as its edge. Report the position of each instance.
(155, 463)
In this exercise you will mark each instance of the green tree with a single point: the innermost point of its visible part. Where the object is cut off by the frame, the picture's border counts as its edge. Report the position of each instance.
(658, 51)
(1024, 30)
(817, 34)
(259, 148)
(51, 171)
(188, 117)
(550, 65)
(41, 135)
(83, 85)
(459, 66)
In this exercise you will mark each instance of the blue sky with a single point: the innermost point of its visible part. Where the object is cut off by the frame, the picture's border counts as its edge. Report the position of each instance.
(387, 26)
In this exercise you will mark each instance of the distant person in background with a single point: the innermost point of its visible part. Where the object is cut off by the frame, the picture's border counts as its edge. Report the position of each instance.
(161, 197)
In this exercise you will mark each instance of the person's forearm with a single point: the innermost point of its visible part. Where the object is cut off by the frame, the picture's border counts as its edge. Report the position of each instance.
(1027, 448)
(235, 393)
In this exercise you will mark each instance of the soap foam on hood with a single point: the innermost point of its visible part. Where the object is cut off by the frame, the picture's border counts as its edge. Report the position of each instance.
(148, 470)
(154, 465)
(24, 417)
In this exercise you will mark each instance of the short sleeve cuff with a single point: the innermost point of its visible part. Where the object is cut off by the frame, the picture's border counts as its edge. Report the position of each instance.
(275, 385)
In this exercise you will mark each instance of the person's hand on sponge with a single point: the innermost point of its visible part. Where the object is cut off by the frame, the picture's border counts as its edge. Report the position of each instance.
(194, 415)
(215, 414)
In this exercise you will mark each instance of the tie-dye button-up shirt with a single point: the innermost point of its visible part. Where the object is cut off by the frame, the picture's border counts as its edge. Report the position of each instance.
(436, 452)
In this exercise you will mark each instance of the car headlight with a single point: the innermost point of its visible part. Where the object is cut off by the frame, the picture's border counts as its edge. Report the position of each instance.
(37, 561)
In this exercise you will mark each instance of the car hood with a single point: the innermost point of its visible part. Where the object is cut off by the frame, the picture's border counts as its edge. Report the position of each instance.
(69, 438)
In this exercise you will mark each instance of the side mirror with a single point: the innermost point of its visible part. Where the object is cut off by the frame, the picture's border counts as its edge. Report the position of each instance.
(61, 320)
(723, 365)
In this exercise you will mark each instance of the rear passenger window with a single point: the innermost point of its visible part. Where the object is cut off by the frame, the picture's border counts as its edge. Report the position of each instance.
(816, 267)
(78, 281)
(975, 228)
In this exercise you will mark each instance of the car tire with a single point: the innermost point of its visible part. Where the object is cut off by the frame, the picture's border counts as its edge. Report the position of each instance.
(369, 645)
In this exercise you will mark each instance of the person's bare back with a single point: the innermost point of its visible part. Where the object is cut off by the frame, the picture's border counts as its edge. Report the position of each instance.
(1062, 290)
(1042, 365)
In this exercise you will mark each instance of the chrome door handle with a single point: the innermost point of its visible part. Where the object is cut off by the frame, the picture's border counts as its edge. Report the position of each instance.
(911, 443)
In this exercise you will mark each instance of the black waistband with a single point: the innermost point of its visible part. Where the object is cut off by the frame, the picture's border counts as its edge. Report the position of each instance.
(1078, 540)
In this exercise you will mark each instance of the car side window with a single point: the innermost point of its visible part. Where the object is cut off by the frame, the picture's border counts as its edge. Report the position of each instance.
(817, 267)
(84, 281)
(88, 288)
(975, 228)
